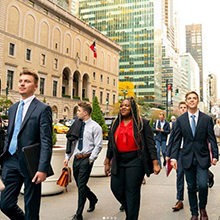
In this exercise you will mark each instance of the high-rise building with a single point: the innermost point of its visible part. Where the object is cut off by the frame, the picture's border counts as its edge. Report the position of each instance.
(65, 4)
(177, 32)
(75, 8)
(212, 91)
(194, 46)
(168, 20)
(192, 70)
(172, 74)
(136, 26)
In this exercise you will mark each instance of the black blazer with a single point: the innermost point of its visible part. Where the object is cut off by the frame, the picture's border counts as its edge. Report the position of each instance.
(197, 145)
(161, 136)
(36, 128)
(147, 153)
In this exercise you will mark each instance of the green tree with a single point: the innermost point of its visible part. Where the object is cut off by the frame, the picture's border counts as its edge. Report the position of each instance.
(97, 115)
(169, 117)
(54, 137)
(152, 122)
(143, 107)
(5, 102)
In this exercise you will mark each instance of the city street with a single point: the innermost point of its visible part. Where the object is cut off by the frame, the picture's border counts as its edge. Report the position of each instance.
(158, 197)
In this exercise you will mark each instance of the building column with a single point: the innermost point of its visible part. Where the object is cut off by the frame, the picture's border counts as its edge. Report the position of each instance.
(89, 91)
(70, 86)
(80, 89)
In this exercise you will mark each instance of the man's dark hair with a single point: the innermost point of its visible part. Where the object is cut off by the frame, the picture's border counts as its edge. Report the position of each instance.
(31, 73)
(86, 107)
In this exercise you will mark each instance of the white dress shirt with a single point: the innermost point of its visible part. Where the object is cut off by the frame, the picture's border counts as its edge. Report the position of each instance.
(92, 141)
(196, 117)
(27, 103)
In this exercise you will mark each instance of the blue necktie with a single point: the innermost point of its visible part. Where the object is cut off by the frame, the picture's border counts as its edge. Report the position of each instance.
(80, 145)
(193, 124)
(14, 141)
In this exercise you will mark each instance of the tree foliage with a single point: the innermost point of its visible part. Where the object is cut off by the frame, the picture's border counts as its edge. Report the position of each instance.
(126, 88)
(97, 115)
(54, 137)
(5, 102)
(143, 107)
(115, 109)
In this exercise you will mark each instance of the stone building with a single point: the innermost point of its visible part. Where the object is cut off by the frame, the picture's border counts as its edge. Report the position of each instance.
(43, 36)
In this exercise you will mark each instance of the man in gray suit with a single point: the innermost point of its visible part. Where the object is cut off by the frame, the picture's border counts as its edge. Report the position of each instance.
(30, 122)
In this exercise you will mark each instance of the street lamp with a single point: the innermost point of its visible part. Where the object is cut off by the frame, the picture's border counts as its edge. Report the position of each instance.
(210, 92)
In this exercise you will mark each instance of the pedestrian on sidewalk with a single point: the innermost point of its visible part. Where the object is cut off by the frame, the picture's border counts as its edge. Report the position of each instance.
(217, 131)
(85, 151)
(162, 129)
(30, 122)
(132, 147)
(195, 128)
(179, 172)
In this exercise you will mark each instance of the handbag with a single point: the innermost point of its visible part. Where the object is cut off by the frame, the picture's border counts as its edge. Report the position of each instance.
(2, 186)
(65, 177)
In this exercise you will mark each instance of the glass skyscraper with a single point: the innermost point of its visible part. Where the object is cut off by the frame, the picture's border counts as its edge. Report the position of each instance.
(136, 26)
(194, 46)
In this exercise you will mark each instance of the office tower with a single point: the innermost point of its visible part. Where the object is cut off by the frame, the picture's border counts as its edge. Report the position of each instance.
(192, 70)
(194, 46)
(168, 20)
(75, 8)
(65, 4)
(211, 84)
(177, 32)
(136, 26)
(172, 74)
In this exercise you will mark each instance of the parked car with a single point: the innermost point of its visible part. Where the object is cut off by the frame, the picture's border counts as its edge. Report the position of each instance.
(60, 128)
(69, 122)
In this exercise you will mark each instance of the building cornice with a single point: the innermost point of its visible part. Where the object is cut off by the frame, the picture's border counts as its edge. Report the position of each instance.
(76, 22)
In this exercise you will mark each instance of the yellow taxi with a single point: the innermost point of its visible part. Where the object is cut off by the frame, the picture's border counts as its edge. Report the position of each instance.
(60, 128)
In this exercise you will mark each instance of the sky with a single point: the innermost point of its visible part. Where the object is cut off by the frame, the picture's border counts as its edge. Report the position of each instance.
(206, 13)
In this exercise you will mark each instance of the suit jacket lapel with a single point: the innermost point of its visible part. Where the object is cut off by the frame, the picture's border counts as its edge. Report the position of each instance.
(31, 108)
(188, 123)
(199, 122)
(13, 112)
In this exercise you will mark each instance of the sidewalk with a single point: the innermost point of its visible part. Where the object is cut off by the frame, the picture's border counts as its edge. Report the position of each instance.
(158, 197)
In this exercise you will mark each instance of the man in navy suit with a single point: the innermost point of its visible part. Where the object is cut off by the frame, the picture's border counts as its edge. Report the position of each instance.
(30, 122)
(196, 130)
(179, 172)
(162, 129)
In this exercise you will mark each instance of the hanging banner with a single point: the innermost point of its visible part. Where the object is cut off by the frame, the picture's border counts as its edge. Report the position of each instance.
(169, 88)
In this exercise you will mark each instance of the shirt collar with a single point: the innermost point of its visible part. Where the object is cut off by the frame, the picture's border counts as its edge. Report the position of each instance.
(28, 100)
(88, 120)
(196, 114)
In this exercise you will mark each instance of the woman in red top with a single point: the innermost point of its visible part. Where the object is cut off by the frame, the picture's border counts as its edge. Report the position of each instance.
(131, 145)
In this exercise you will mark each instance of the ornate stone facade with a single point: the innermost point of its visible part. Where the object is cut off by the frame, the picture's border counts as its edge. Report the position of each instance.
(43, 36)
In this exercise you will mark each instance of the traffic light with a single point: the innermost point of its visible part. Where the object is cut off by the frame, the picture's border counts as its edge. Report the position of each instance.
(106, 101)
(177, 91)
(6, 90)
